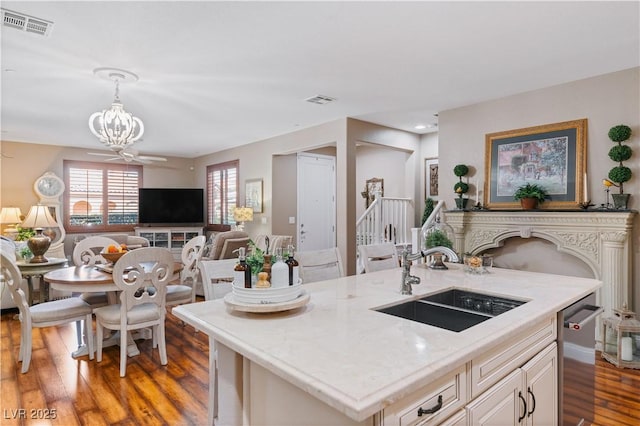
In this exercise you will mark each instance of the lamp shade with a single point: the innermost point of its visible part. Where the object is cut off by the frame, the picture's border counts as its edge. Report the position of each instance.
(39, 217)
(243, 214)
(10, 215)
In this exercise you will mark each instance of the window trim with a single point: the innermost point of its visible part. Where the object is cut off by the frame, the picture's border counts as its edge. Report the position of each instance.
(71, 229)
(216, 167)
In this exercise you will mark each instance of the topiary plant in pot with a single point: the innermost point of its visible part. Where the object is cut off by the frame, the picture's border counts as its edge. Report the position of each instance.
(461, 187)
(620, 174)
(530, 195)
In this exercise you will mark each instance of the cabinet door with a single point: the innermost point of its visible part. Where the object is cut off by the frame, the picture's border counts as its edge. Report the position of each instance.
(501, 404)
(458, 419)
(540, 377)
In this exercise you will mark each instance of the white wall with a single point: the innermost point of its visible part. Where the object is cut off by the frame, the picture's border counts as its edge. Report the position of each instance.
(605, 101)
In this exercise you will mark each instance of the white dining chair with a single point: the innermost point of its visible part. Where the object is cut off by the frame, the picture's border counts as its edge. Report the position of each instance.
(46, 314)
(87, 252)
(217, 276)
(376, 257)
(185, 290)
(320, 265)
(142, 276)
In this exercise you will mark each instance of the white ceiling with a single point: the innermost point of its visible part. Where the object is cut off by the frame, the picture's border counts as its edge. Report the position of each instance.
(214, 75)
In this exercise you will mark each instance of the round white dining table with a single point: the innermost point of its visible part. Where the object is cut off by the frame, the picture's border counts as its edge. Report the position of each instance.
(92, 279)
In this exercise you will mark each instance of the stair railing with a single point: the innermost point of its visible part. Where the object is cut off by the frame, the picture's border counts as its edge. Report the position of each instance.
(387, 219)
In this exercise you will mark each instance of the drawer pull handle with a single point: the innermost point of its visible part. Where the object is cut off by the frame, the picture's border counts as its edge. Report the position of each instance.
(533, 399)
(438, 406)
(524, 402)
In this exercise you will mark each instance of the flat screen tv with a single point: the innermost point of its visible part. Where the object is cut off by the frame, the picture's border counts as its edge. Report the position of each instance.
(171, 206)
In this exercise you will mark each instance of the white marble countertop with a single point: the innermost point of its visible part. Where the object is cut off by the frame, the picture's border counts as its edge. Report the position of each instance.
(338, 349)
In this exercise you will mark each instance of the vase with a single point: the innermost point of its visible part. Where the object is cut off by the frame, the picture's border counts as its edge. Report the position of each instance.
(461, 203)
(620, 201)
(529, 203)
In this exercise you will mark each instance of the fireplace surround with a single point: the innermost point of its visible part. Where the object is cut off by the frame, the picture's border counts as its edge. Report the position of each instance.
(601, 239)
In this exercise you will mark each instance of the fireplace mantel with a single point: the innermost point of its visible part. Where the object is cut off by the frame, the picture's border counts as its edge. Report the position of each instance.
(602, 239)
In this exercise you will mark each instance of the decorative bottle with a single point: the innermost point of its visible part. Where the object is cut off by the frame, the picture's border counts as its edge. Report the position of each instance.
(294, 273)
(266, 266)
(279, 271)
(242, 271)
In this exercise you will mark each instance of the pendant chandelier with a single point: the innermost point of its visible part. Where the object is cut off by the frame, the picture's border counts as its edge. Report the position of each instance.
(115, 127)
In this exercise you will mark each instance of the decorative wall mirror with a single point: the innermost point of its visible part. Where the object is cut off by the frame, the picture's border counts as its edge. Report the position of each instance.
(49, 189)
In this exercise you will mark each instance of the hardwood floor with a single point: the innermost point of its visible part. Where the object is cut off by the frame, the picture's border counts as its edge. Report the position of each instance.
(84, 392)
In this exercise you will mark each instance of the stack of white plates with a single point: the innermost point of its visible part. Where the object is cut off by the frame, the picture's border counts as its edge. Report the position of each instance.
(266, 295)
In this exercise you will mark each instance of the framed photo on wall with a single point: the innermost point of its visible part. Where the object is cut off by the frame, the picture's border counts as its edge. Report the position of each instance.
(253, 194)
(552, 156)
(431, 178)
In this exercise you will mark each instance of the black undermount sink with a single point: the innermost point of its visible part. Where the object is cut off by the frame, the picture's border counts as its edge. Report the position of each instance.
(454, 309)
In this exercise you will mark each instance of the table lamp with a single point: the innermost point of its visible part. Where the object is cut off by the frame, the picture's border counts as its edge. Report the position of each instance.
(11, 217)
(39, 218)
(242, 214)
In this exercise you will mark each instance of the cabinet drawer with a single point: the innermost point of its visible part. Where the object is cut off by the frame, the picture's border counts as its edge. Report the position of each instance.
(406, 412)
(491, 367)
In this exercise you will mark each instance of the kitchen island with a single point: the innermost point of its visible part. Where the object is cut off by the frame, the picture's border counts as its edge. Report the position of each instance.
(338, 361)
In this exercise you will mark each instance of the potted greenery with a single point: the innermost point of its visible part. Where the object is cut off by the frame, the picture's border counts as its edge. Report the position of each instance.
(530, 195)
(429, 205)
(437, 238)
(461, 187)
(620, 174)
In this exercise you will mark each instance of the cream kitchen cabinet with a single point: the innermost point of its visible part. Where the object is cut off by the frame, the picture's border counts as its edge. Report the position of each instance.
(527, 396)
(431, 404)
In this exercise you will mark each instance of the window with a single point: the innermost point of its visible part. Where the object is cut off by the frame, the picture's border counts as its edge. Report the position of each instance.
(101, 197)
(222, 192)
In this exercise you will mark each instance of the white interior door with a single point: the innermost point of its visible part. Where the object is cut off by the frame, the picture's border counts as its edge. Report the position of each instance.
(316, 202)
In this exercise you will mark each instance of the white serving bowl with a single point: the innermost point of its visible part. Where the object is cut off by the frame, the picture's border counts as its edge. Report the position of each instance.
(266, 295)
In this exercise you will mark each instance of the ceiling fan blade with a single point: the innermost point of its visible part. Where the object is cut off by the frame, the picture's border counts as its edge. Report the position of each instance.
(102, 154)
(141, 160)
(151, 158)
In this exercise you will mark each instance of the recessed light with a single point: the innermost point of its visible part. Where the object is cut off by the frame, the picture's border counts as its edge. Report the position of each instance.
(420, 127)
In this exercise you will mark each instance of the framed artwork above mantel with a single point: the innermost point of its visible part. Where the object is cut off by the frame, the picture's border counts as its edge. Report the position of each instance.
(551, 155)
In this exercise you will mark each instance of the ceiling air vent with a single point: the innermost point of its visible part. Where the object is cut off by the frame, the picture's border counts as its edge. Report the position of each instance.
(27, 23)
(320, 99)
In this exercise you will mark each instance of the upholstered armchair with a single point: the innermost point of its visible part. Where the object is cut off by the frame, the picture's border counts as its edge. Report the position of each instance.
(223, 245)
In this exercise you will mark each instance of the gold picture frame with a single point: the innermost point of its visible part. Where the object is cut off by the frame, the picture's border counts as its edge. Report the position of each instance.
(551, 155)
(431, 178)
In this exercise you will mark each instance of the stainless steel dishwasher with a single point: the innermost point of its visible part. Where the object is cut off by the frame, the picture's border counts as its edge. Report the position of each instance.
(576, 362)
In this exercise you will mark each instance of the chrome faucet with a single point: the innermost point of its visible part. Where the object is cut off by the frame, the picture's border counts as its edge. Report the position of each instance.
(407, 279)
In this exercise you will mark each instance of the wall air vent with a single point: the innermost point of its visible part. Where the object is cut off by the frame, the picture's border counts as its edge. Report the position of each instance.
(320, 99)
(27, 23)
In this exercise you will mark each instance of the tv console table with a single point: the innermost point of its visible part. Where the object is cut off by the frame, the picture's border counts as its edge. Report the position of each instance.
(173, 238)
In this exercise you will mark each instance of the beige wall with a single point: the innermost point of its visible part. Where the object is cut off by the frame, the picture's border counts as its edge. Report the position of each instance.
(605, 101)
(341, 136)
(22, 164)
(375, 161)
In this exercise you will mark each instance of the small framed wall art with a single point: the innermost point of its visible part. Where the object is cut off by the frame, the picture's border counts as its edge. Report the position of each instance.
(253, 194)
